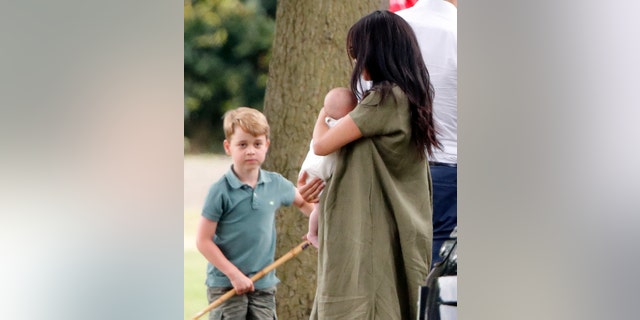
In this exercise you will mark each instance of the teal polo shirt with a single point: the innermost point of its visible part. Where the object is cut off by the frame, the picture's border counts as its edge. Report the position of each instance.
(246, 231)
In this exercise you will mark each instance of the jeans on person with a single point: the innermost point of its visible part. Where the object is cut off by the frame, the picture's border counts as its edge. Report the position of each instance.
(257, 305)
(445, 205)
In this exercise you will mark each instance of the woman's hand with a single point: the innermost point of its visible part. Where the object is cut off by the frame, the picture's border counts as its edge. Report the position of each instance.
(310, 191)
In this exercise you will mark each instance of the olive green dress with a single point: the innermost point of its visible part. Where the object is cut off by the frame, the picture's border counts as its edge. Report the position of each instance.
(375, 229)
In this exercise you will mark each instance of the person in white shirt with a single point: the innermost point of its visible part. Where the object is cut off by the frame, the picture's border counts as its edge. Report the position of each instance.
(337, 103)
(435, 23)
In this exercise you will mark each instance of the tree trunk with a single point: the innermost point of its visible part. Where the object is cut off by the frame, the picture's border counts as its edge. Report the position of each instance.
(308, 58)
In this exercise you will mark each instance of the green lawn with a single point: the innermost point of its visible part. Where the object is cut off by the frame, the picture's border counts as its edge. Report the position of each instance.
(195, 266)
(194, 289)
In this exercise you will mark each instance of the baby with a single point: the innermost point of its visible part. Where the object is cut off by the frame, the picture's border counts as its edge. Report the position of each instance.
(337, 103)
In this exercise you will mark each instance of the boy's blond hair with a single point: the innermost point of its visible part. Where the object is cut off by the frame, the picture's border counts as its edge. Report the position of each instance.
(250, 120)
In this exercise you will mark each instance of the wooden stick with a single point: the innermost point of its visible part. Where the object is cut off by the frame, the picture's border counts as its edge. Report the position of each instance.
(287, 256)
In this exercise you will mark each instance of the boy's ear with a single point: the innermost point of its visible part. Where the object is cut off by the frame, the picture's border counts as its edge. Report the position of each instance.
(227, 148)
(268, 143)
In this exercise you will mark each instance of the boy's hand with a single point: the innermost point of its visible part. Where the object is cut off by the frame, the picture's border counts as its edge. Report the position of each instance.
(311, 190)
(241, 283)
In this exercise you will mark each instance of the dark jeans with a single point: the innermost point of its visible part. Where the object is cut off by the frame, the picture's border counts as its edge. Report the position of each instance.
(259, 304)
(445, 205)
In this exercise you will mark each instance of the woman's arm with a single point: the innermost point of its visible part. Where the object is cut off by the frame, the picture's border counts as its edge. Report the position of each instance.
(327, 140)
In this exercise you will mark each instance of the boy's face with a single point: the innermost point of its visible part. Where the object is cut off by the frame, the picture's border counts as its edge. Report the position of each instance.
(248, 152)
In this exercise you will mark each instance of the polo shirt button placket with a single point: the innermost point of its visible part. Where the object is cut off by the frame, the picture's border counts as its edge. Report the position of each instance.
(254, 200)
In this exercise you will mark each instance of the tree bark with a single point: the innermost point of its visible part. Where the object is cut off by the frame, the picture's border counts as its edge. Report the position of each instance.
(309, 58)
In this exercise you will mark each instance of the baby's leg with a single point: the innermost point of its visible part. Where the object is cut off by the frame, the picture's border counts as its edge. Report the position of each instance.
(312, 235)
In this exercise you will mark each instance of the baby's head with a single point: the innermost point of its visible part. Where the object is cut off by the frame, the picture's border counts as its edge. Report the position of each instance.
(339, 102)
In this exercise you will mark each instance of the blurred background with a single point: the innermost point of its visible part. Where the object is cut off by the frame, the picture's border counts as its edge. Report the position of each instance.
(227, 45)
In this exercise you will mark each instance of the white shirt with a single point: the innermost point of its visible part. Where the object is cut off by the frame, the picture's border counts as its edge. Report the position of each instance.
(435, 23)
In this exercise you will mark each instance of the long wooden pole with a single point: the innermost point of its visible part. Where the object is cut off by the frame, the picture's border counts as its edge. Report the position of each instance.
(287, 256)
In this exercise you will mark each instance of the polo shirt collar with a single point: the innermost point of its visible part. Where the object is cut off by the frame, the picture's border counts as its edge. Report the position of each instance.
(235, 183)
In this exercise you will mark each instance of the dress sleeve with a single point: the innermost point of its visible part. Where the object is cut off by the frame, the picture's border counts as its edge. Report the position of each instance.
(371, 116)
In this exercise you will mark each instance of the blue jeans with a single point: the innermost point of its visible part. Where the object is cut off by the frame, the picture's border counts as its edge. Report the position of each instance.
(445, 205)
(259, 305)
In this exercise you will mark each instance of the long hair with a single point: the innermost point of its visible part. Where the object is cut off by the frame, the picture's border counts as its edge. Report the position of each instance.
(384, 45)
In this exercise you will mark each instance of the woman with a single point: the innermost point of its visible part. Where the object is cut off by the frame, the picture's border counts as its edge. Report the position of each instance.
(375, 228)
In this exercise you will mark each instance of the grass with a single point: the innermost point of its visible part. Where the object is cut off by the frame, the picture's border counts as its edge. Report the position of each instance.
(195, 298)
(195, 266)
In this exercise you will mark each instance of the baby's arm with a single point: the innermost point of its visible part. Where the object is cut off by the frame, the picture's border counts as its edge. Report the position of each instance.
(204, 242)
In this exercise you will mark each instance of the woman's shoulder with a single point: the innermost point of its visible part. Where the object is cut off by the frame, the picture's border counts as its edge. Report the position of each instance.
(381, 95)
(397, 91)
(372, 98)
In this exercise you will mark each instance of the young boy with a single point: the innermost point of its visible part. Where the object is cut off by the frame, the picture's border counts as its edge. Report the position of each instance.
(337, 103)
(236, 232)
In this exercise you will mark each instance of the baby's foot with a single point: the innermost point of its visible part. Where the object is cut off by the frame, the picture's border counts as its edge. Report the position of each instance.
(313, 238)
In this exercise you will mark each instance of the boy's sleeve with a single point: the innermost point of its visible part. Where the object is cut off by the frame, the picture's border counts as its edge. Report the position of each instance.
(214, 204)
(287, 190)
